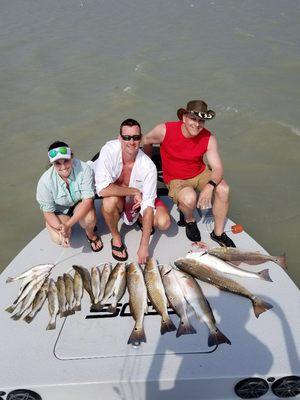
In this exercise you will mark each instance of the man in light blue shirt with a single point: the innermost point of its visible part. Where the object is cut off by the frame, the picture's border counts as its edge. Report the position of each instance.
(65, 193)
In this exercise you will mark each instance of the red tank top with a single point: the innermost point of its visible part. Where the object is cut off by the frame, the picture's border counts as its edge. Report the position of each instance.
(182, 158)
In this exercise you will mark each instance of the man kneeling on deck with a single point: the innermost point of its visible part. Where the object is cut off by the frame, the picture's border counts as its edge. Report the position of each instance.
(183, 144)
(126, 178)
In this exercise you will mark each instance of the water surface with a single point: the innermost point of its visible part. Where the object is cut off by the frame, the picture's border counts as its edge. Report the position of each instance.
(73, 70)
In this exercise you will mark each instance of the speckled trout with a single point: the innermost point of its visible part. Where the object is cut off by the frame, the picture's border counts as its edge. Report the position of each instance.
(207, 274)
(157, 296)
(138, 302)
(114, 289)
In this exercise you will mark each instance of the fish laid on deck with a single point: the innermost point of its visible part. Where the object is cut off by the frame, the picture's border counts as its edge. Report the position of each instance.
(195, 297)
(138, 302)
(78, 291)
(61, 293)
(41, 268)
(53, 305)
(157, 296)
(176, 299)
(248, 257)
(215, 263)
(207, 274)
(38, 301)
(115, 288)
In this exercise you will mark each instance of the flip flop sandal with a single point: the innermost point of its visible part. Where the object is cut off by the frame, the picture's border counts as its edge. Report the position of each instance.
(94, 241)
(118, 248)
(140, 225)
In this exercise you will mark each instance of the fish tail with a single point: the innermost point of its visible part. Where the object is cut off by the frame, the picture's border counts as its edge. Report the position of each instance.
(167, 325)
(260, 306)
(185, 328)
(264, 274)
(51, 325)
(112, 308)
(137, 336)
(16, 316)
(29, 318)
(217, 337)
(10, 309)
(64, 313)
(96, 307)
(77, 307)
(281, 260)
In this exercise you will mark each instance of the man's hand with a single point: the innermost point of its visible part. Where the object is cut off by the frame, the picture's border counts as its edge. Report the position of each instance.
(137, 200)
(205, 197)
(143, 254)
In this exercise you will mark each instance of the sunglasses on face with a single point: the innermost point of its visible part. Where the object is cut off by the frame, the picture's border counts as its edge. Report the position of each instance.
(127, 138)
(195, 115)
(61, 150)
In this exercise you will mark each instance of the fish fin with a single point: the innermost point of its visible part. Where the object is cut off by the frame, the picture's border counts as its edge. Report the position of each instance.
(16, 316)
(185, 328)
(167, 326)
(29, 318)
(260, 306)
(51, 326)
(281, 260)
(10, 309)
(264, 274)
(234, 262)
(112, 308)
(137, 336)
(216, 338)
(77, 307)
(65, 314)
(96, 307)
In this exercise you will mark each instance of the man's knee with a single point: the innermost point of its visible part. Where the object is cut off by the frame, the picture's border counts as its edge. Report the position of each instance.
(222, 190)
(163, 221)
(188, 198)
(110, 204)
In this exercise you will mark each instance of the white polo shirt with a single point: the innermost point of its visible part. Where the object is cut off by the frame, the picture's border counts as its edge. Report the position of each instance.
(109, 165)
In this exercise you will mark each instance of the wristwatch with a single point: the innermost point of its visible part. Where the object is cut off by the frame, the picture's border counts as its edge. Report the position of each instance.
(212, 183)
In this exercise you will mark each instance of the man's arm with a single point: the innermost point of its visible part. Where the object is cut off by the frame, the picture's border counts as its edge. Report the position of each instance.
(114, 189)
(214, 160)
(143, 251)
(155, 136)
(215, 164)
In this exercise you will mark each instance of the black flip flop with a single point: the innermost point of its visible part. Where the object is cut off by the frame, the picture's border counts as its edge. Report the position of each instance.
(95, 241)
(118, 248)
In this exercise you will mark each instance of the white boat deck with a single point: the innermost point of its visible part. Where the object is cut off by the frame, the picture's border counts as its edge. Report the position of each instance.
(87, 356)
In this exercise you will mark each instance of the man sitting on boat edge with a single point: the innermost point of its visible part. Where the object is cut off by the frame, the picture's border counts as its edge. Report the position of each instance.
(126, 179)
(183, 145)
(65, 193)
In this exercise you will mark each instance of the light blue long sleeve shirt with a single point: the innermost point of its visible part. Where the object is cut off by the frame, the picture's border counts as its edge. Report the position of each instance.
(52, 193)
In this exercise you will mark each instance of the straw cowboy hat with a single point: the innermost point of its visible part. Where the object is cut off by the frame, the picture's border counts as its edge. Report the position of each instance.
(197, 108)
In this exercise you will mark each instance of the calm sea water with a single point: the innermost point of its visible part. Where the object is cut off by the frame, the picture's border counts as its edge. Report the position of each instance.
(74, 69)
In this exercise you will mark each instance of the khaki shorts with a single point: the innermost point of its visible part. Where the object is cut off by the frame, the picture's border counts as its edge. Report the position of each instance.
(197, 183)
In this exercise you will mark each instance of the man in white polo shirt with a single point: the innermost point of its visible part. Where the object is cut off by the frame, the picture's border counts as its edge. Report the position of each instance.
(126, 178)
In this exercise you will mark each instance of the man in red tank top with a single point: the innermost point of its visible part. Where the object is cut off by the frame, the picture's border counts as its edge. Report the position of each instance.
(183, 145)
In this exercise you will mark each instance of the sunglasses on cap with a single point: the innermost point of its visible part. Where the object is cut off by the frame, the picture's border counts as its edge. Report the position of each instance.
(127, 138)
(62, 150)
(199, 115)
